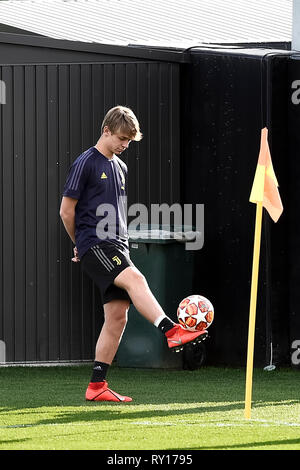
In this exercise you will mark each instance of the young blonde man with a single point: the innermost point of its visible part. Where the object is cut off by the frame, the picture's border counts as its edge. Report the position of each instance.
(96, 183)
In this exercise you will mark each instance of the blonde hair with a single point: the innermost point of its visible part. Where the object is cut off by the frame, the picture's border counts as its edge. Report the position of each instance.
(123, 120)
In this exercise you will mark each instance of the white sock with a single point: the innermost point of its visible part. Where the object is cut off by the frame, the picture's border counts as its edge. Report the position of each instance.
(159, 319)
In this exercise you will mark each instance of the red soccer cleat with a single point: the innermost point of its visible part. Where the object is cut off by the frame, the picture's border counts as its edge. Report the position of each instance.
(178, 336)
(99, 391)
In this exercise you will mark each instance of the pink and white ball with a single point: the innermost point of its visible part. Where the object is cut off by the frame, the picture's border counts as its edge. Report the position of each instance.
(195, 313)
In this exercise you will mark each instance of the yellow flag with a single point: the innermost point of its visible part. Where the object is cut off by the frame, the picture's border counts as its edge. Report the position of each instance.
(265, 194)
(265, 185)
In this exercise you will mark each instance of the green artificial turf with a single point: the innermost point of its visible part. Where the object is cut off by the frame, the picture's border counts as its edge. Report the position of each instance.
(44, 408)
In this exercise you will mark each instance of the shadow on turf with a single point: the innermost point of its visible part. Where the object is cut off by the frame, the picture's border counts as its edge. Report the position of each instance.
(98, 411)
(11, 441)
(223, 390)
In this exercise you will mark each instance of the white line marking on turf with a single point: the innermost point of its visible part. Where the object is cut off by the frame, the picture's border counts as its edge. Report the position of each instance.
(275, 423)
(241, 423)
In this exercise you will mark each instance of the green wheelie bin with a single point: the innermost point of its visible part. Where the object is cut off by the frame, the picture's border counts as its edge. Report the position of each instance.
(168, 268)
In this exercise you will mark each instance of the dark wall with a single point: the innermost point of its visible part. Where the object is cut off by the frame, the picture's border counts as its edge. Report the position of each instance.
(230, 97)
(293, 167)
(201, 144)
(49, 310)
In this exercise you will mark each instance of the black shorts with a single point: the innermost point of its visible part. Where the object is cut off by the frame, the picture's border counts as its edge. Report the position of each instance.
(103, 263)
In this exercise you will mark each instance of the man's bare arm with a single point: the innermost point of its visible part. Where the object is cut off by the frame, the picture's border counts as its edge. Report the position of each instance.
(67, 214)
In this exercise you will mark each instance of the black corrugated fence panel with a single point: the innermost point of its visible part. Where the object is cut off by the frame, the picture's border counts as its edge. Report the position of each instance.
(223, 120)
(293, 271)
(49, 310)
(276, 245)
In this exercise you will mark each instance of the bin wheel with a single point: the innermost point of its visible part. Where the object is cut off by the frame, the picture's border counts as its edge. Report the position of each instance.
(194, 356)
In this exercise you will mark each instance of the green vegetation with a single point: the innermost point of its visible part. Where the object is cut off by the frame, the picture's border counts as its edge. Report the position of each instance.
(44, 408)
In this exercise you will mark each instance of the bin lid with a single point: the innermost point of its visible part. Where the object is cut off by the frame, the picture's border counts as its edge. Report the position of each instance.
(161, 234)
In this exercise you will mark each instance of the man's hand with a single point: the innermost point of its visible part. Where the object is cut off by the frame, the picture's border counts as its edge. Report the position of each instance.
(76, 259)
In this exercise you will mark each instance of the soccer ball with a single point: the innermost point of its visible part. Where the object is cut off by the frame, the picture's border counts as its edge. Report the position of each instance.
(195, 313)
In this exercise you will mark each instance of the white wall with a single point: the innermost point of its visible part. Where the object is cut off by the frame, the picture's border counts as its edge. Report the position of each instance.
(296, 26)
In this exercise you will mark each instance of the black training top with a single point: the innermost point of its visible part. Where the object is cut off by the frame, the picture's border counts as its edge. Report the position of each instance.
(99, 185)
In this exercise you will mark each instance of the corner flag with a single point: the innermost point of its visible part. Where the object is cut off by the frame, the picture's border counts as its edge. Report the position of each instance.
(264, 194)
(265, 185)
